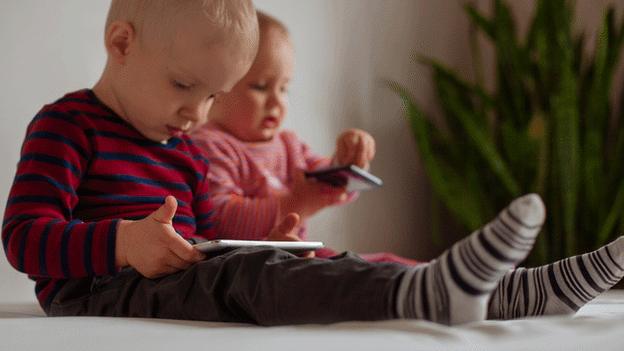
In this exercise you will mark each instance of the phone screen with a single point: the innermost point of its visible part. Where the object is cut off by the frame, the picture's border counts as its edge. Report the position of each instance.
(351, 177)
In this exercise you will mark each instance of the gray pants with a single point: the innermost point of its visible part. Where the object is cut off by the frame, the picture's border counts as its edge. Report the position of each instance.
(254, 285)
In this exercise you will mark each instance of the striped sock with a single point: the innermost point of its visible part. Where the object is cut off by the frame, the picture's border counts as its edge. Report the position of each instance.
(455, 287)
(558, 288)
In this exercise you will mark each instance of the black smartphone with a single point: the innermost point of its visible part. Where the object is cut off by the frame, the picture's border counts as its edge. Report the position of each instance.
(352, 177)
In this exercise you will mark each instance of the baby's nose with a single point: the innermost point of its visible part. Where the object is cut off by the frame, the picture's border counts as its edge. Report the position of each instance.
(196, 112)
(191, 116)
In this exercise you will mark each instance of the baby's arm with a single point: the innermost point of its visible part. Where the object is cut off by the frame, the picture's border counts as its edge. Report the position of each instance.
(240, 215)
(42, 237)
(243, 217)
(235, 214)
(39, 234)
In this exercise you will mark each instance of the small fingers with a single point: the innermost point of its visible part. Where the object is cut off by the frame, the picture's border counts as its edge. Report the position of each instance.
(361, 154)
(341, 151)
(346, 150)
(165, 213)
(371, 148)
(174, 260)
(369, 152)
(285, 229)
(352, 149)
(184, 250)
(289, 223)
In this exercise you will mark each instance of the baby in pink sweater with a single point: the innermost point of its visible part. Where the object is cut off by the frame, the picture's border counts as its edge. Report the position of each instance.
(257, 169)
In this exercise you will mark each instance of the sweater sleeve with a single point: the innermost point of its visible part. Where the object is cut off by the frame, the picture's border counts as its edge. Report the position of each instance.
(237, 216)
(40, 235)
(204, 211)
(301, 154)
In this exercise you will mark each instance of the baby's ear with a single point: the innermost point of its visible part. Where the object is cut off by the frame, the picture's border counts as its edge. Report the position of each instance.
(118, 40)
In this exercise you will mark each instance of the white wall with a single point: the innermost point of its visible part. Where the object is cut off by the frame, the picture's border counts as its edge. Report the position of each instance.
(344, 48)
(48, 48)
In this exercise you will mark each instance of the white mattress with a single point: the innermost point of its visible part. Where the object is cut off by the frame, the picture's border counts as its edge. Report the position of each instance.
(598, 326)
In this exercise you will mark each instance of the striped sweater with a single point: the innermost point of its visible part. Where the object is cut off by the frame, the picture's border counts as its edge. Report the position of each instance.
(82, 169)
(245, 178)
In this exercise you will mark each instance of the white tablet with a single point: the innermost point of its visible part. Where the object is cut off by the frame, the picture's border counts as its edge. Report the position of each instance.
(291, 246)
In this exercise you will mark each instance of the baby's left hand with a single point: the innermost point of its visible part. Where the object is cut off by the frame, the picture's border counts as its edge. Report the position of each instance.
(355, 146)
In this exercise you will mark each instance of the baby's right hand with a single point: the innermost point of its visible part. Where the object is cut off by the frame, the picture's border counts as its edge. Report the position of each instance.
(308, 196)
(152, 246)
(287, 231)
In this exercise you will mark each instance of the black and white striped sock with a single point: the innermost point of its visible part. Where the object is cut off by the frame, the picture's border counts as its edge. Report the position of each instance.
(455, 287)
(558, 288)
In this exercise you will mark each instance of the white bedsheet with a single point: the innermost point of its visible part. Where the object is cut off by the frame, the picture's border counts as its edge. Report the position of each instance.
(598, 326)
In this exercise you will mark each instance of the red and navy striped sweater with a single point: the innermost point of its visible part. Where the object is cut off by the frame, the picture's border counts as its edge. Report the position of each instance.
(82, 169)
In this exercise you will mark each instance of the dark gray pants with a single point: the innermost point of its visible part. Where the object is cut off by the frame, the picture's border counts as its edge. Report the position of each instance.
(254, 285)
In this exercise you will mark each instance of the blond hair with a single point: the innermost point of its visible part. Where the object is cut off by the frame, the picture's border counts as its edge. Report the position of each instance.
(157, 19)
(266, 21)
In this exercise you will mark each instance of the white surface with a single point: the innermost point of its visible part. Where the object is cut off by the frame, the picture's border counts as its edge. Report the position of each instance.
(344, 48)
(218, 245)
(598, 326)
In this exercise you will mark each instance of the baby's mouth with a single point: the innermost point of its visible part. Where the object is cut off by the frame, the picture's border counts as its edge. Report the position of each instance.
(175, 132)
(270, 122)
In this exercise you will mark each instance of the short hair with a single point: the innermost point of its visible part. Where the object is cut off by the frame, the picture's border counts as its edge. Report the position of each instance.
(150, 17)
(266, 22)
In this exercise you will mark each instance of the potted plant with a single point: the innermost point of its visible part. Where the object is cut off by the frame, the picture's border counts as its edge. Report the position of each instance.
(547, 127)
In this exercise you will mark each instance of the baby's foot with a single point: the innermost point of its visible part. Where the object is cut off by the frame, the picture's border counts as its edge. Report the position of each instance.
(455, 287)
(558, 288)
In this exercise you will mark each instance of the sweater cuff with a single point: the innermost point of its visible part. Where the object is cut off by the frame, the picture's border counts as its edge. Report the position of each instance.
(103, 248)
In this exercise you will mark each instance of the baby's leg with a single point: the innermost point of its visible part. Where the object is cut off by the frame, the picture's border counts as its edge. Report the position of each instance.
(558, 288)
(455, 287)
(273, 287)
(258, 285)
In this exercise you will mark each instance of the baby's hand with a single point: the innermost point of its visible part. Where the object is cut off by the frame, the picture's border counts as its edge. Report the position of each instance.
(152, 246)
(308, 196)
(286, 231)
(355, 146)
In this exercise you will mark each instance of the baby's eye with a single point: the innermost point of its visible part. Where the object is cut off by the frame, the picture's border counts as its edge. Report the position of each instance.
(180, 86)
(284, 89)
(260, 87)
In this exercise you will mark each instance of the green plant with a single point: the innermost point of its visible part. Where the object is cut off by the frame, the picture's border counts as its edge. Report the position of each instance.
(547, 128)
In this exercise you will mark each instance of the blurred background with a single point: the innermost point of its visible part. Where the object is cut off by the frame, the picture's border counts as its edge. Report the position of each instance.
(345, 51)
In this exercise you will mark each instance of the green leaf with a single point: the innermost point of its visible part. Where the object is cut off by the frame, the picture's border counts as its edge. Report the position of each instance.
(512, 65)
(566, 153)
(546, 127)
(456, 195)
(479, 20)
(477, 135)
